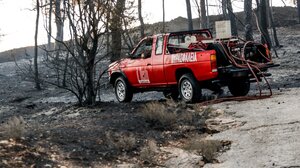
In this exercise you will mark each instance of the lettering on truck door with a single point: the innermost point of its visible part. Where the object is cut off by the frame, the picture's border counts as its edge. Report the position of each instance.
(142, 75)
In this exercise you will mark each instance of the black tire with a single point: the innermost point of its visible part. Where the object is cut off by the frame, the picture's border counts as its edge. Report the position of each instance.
(239, 86)
(171, 94)
(189, 88)
(122, 90)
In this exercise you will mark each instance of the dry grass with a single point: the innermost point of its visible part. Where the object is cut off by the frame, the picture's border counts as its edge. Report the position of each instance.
(207, 148)
(121, 142)
(171, 114)
(149, 152)
(126, 143)
(159, 114)
(205, 111)
(14, 128)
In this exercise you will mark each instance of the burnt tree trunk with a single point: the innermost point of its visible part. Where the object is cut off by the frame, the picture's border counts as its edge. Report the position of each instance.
(189, 14)
(50, 24)
(199, 12)
(263, 22)
(229, 15)
(298, 7)
(232, 18)
(203, 15)
(91, 52)
(59, 34)
(248, 20)
(108, 33)
(272, 24)
(35, 61)
(224, 9)
(201, 9)
(207, 14)
(91, 94)
(142, 28)
(59, 24)
(116, 30)
(126, 36)
(163, 8)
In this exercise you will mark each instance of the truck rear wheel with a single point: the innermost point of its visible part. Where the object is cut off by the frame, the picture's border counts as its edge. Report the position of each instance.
(189, 88)
(239, 86)
(122, 90)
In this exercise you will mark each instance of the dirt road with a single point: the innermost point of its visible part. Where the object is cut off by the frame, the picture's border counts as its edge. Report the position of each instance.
(270, 137)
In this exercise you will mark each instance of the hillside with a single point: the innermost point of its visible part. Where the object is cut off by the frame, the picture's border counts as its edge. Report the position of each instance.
(18, 53)
(283, 16)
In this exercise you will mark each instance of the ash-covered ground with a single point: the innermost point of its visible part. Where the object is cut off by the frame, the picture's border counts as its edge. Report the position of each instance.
(52, 131)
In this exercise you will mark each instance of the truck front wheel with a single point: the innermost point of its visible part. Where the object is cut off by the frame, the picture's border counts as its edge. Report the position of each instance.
(122, 90)
(239, 86)
(189, 88)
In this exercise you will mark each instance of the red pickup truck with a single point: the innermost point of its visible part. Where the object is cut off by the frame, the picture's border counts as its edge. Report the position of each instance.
(180, 64)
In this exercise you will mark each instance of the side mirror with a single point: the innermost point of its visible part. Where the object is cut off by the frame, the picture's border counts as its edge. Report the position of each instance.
(142, 55)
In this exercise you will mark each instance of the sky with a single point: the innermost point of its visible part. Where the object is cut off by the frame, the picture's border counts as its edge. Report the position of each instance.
(17, 19)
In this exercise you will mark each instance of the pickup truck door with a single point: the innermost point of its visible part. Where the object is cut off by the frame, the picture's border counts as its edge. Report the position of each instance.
(139, 68)
(158, 77)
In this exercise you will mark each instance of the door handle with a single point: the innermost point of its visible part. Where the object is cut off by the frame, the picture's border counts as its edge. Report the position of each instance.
(148, 64)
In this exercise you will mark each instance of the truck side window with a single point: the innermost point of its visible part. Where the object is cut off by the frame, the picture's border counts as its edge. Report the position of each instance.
(144, 49)
(159, 45)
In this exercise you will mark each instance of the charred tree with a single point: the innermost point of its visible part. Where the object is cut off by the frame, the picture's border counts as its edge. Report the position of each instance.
(229, 15)
(59, 24)
(35, 61)
(224, 9)
(50, 24)
(163, 8)
(189, 14)
(66, 59)
(142, 26)
(203, 15)
(232, 18)
(198, 11)
(248, 20)
(201, 9)
(86, 29)
(116, 29)
(272, 24)
(207, 14)
(298, 7)
(126, 36)
(79, 65)
(108, 14)
(263, 22)
(59, 34)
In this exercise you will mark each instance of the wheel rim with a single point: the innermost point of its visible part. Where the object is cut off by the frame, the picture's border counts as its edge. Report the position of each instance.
(120, 90)
(186, 89)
